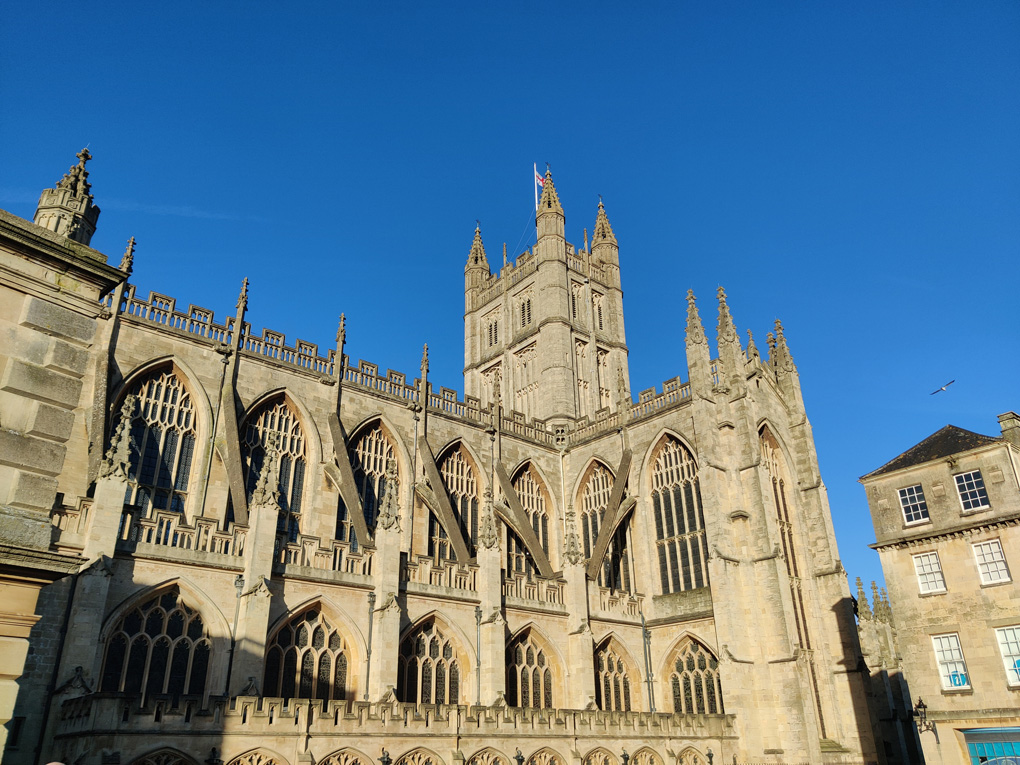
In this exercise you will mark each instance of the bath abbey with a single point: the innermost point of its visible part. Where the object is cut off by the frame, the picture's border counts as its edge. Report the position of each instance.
(221, 546)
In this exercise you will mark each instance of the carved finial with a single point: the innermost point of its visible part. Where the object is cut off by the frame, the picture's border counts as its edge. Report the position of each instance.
(770, 340)
(572, 545)
(242, 299)
(504, 255)
(77, 178)
(863, 609)
(127, 262)
(425, 361)
(726, 332)
(267, 489)
(752, 349)
(586, 240)
(117, 463)
(476, 257)
(341, 332)
(83, 156)
(695, 332)
(488, 537)
(886, 608)
(783, 358)
(389, 508)
(602, 232)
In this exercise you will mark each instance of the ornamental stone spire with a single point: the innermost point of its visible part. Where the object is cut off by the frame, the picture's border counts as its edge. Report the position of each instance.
(389, 509)
(127, 262)
(488, 536)
(68, 208)
(550, 200)
(784, 361)
(863, 609)
(476, 257)
(695, 332)
(603, 231)
(118, 458)
(752, 349)
(726, 331)
(572, 545)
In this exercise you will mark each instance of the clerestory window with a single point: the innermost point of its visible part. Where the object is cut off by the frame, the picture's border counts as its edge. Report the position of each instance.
(695, 681)
(529, 677)
(275, 426)
(612, 683)
(679, 519)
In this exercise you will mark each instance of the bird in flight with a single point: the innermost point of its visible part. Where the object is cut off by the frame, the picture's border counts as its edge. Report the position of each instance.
(943, 387)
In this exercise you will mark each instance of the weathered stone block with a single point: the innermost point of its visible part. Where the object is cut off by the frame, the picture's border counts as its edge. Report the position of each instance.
(50, 422)
(54, 320)
(24, 528)
(41, 384)
(67, 358)
(32, 491)
(28, 453)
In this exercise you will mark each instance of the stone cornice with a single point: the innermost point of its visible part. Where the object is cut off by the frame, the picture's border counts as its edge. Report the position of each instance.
(957, 532)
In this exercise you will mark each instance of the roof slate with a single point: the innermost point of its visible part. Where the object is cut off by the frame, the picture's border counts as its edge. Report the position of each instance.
(942, 443)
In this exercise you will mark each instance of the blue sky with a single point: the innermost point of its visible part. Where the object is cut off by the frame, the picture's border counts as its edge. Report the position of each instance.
(850, 168)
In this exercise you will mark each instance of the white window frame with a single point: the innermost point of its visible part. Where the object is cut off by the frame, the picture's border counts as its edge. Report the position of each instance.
(971, 489)
(930, 579)
(991, 562)
(951, 663)
(912, 499)
(1008, 639)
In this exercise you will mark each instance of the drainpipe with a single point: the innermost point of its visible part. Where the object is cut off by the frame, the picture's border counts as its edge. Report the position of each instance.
(368, 653)
(239, 586)
(478, 654)
(646, 639)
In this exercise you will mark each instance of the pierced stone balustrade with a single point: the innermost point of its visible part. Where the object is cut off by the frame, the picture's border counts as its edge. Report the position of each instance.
(69, 525)
(534, 589)
(335, 555)
(425, 570)
(164, 528)
(616, 603)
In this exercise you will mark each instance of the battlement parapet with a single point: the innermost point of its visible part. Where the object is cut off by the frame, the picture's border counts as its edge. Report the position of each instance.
(158, 533)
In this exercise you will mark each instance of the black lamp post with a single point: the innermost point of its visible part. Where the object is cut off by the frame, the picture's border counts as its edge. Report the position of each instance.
(385, 759)
(711, 755)
(625, 757)
(921, 717)
(519, 758)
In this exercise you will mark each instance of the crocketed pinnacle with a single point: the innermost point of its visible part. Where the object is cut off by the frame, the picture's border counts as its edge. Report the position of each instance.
(863, 609)
(695, 331)
(726, 332)
(77, 178)
(242, 299)
(550, 200)
(127, 262)
(752, 348)
(477, 255)
(784, 360)
(341, 332)
(425, 360)
(603, 231)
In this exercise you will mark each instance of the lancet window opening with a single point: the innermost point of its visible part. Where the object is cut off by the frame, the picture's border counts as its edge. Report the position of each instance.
(694, 681)
(596, 300)
(776, 469)
(276, 426)
(602, 372)
(163, 431)
(679, 519)
(617, 567)
(531, 493)
(612, 682)
(429, 670)
(370, 455)
(308, 658)
(462, 488)
(159, 647)
(529, 678)
(526, 311)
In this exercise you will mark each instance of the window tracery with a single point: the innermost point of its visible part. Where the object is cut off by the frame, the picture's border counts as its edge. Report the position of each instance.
(256, 757)
(679, 519)
(428, 667)
(370, 455)
(276, 425)
(160, 646)
(694, 681)
(307, 659)
(163, 429)
(616, 572)
(612, 682)
(529, 676)
(461, 486)
(345, 757)
(530, 491)
(164, 757)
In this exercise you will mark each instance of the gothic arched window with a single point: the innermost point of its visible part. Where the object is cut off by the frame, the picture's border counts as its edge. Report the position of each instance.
(307, 659)
(528, 674)
(462, 488)
(695, 681)
(161, 646)
(532, 494)
(612, 683)
(616, 571)
(163, 431)
(679, 519)
(428, 667)
(370, 455)
(276, 426)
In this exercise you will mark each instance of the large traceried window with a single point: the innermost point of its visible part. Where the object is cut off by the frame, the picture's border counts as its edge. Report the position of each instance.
(531, 492)
(679, 519)
(370, 455)
(694, 681)
(159, 647)
(462, 488)
(308, 658)
(616, 572)
(275, 425)
(612, 683)
(428, 667)
(528, 674)
(163, 431)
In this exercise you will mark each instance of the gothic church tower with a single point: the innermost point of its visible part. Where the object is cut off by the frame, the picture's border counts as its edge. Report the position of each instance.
(68, 208)
(555, 316)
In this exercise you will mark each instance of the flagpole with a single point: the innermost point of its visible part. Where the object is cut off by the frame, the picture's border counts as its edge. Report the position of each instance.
(535, 179)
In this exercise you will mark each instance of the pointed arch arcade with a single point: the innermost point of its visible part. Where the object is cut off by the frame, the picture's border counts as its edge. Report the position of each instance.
(429, 665)
(308, 658)
(529, 676)
(694, 680)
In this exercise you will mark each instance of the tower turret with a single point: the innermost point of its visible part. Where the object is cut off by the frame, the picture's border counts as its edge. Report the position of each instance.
(476, 270)
(68, 208)
(604, 248)
(549, 217)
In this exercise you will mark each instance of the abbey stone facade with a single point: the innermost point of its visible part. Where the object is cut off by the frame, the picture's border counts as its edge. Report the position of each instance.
(282, 557)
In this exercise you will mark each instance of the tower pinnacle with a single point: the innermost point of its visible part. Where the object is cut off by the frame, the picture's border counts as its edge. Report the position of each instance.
(68, 207)
(550, 200)
(476, 257)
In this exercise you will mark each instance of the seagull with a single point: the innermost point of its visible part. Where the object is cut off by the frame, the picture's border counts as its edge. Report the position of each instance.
(943, 387)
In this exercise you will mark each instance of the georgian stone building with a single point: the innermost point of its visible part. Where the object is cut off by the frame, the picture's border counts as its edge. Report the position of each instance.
(285, 557)
(946, 515)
